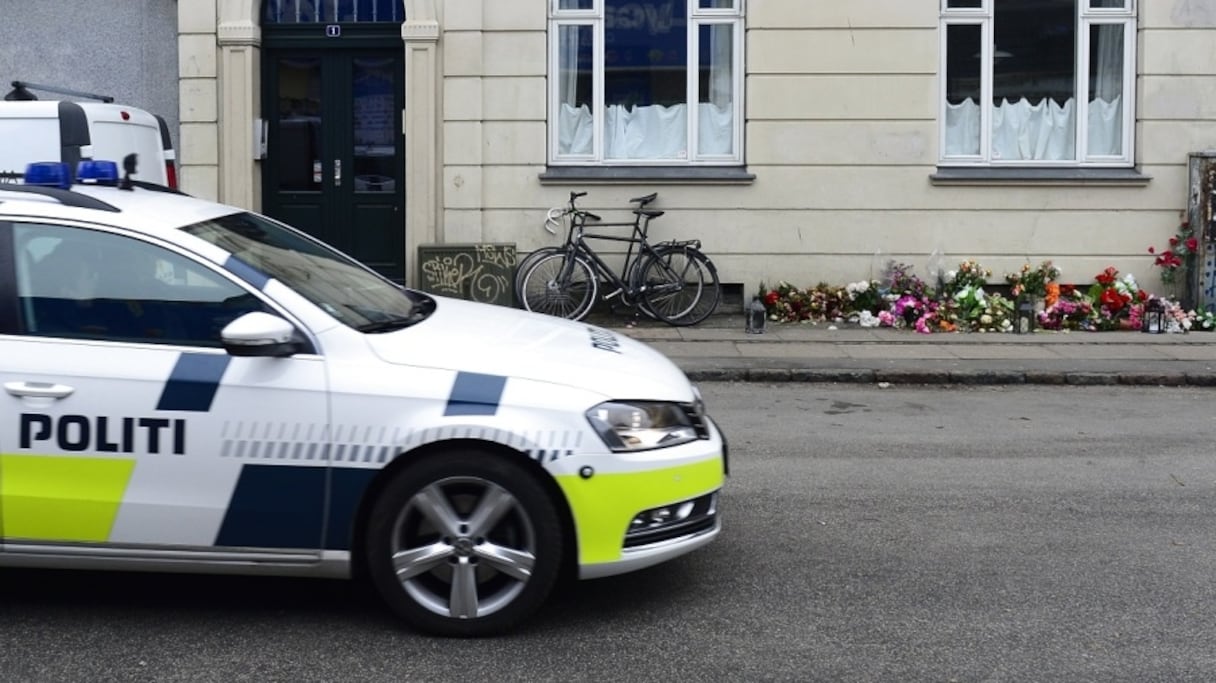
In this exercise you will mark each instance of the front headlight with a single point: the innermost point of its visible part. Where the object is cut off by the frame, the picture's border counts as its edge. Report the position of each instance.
(641, 425)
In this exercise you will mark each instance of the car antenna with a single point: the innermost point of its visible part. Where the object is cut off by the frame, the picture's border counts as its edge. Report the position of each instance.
(128, 168)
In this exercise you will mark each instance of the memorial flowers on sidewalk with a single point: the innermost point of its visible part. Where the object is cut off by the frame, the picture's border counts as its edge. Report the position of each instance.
(1174, 258)
(1117, 300)
(965, 302)
(1032, 280)
(1072, 310)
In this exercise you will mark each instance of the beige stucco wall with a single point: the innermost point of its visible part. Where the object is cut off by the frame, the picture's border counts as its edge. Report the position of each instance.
(841, 135)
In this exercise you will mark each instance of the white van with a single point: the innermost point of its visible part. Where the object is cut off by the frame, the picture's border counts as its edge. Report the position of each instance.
(61, 130)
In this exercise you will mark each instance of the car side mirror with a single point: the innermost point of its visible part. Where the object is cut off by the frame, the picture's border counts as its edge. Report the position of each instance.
(261, 334)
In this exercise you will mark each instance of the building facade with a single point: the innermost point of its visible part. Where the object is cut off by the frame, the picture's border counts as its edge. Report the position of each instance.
(800, 141)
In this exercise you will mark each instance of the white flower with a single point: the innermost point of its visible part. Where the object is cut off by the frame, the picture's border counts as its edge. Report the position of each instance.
(951, 275)
(851, 288)
(986, 319)
(863, 286)
(867, 319)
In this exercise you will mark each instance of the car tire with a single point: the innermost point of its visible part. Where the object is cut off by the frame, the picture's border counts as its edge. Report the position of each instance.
(464, 543)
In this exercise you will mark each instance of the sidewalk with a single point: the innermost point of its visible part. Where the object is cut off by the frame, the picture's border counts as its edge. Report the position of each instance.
(719, 350)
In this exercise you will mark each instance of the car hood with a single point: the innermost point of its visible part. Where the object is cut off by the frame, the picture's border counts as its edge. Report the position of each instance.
(495, 340)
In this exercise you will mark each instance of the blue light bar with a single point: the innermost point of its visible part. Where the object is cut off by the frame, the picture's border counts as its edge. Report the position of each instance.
(98, 172)
(48, 174)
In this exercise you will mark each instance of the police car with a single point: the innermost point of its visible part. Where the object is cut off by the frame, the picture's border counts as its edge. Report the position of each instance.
(193, 387)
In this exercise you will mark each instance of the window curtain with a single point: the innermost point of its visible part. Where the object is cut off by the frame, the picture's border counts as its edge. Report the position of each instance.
(1043, 131)
(649, 132)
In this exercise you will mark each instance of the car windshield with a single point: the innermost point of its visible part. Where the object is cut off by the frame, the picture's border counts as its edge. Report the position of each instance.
(342, 287)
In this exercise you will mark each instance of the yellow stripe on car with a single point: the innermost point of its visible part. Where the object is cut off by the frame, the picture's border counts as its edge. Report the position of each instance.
(604, 505)
(61, 499)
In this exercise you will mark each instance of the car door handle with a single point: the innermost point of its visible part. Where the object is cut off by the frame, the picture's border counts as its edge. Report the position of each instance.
(38, 389)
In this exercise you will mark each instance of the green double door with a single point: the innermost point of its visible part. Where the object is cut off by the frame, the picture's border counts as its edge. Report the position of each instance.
(335, 156)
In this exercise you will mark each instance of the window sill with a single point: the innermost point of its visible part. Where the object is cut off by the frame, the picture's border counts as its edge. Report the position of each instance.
(708, 175)
(1062, 177)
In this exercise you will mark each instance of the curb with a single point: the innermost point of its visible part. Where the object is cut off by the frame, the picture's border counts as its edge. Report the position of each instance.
(964, 377)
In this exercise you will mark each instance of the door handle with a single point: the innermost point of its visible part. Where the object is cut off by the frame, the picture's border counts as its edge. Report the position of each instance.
(337, 173)
(38, 389)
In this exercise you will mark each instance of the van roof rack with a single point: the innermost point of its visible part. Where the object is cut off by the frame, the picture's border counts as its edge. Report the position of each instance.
(21, 91)
(65, 197)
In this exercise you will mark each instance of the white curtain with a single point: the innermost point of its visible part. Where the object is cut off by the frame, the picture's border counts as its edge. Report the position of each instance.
(575, 128)
(646, 133)
(963, 129)
(1043, 131)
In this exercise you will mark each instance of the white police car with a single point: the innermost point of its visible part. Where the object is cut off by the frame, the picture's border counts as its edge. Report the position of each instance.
(193, 387)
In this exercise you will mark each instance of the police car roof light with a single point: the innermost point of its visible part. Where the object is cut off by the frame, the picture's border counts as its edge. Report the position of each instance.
(48, 174)
(98, 172)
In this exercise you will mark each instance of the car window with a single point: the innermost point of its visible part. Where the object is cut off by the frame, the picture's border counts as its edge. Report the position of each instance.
(87, 284)
(343, 288)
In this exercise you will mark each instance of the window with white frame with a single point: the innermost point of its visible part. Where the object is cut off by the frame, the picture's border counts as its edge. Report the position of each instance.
(646, 82)
(1038, 82)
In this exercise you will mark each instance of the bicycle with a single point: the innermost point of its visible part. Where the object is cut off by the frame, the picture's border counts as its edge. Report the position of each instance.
(672, 281)
(559, 218)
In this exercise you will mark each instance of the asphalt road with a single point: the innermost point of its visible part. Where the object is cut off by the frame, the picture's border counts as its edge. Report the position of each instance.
(899, 534)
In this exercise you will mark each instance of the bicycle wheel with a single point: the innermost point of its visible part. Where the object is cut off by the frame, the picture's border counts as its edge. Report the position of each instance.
(633, 276)
(522, 268)
(559, 284)
(680, 286)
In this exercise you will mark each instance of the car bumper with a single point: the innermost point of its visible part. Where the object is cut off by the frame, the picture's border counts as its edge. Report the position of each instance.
(625, 521)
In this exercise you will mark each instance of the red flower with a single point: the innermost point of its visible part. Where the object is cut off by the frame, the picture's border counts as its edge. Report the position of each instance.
(1107, 277)
(1192, 244)
(1113, 300)
(1152, 250)
(771, 298)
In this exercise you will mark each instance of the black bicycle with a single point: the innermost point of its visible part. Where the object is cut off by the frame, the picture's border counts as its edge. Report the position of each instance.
(673, 281)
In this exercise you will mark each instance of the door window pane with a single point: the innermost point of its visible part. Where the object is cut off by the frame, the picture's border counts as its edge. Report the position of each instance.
(717, 4)
(84, 284)
(374, 118)
(1105, 4)
(964, 4)
(1034, 81)
(575, 4)
(298, 156)
(1106, 90)
(575, 83)
(716, 108)
(963, 50)
(346, 11)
